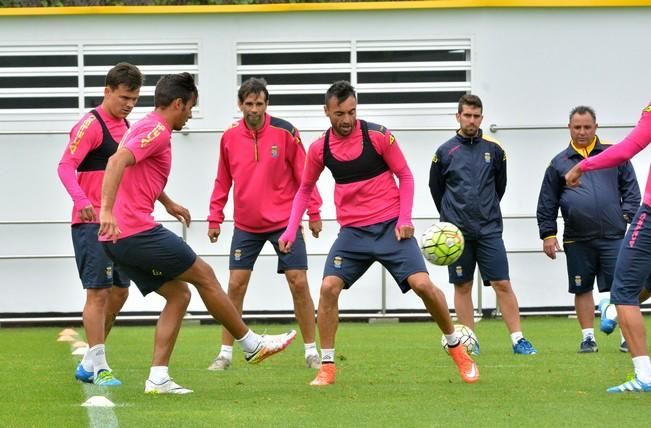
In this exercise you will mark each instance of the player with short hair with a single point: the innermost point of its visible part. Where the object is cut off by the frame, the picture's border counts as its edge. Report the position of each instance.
(156, 259)
(595, 215)
(467, 180)
(633, 266)
(375, 218)
(264, 157)
(81, 169)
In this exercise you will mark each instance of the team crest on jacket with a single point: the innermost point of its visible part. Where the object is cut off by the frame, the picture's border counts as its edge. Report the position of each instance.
(237, 255)
(338, 262)
(487, 157)
(274, 151)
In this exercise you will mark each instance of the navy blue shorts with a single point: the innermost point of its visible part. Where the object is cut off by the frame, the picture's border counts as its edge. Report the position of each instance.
(356, 248)
(633, 267)
(96, 270)
(587, 259)
(246, 247)
(489, 253)
(151, 258)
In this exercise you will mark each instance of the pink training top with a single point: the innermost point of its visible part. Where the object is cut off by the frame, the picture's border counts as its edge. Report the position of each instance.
(149, 140)
(85, 187)
(360, 203)
(266, 167)
(635, 141)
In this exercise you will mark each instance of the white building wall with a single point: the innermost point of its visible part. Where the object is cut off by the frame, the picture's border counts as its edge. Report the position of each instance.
(530, 66)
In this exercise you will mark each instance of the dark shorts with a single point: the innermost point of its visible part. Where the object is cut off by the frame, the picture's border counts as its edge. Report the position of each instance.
(151, 258)
(587, 259)
(489, 253)
(246, 247)
(96, 270)
(633, 267)
(356, 248)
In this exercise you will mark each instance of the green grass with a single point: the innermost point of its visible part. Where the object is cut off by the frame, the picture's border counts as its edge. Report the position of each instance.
(389, 375)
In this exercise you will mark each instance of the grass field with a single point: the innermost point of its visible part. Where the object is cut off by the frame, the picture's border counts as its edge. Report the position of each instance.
(390, 375)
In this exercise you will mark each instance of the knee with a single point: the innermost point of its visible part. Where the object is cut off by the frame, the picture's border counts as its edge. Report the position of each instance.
(120, 293)
(184, 294)
(463, 289)
(330, 291)
(97, 296)
(502, 287)
(297, 281)
(421, 285)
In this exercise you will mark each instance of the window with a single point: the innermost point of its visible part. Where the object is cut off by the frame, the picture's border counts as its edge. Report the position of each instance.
(418, 76)
(70, 78)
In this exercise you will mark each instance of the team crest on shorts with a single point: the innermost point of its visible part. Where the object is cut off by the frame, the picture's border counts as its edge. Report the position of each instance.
(578, 281)
(109, 272)
(487, 157)
(459, 271)
(274, 151)
(237, 255)
(338, 262)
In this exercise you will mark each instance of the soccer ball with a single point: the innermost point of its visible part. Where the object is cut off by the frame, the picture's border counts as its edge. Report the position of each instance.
(442, 244)
(467, 337)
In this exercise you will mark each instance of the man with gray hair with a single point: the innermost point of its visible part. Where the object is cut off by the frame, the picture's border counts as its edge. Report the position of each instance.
(595, 215)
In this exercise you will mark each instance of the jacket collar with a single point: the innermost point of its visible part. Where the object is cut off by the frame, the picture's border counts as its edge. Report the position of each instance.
(571, 152)
(469, 140)
(248, 132)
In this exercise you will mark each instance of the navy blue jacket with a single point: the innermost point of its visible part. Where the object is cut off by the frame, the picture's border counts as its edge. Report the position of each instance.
(467, 180)
(599, 208)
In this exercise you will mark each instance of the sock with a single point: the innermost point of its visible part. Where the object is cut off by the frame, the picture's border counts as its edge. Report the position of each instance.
(226, 352)
(87, 361)
(621, 334)
(642, 368)
(310, 349)
(452, 339)
(611, 312)
(588, 332)
(98, 356)
(516, 336)
(159, 374)
(328, 355)
(250, 341)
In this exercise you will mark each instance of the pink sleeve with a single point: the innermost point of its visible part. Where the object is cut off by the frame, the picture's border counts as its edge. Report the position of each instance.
(406, 186)
(143, 145)
(223, 183)
(635, 141)
(313, 168)
(84, 137)
(395, 159)
(298, 165)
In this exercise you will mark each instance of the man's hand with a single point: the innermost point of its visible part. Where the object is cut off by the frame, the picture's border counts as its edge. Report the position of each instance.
(315, 227)
(404, 231)
(573, 176)
(550, 246)
(88, 214)
(179, 212)
(213, 234)
(108, 226)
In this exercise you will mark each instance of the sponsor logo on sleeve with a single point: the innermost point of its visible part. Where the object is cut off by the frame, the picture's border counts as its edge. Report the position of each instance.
(152, 135)
(392, 139)
(80, 133)
(647, 109)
